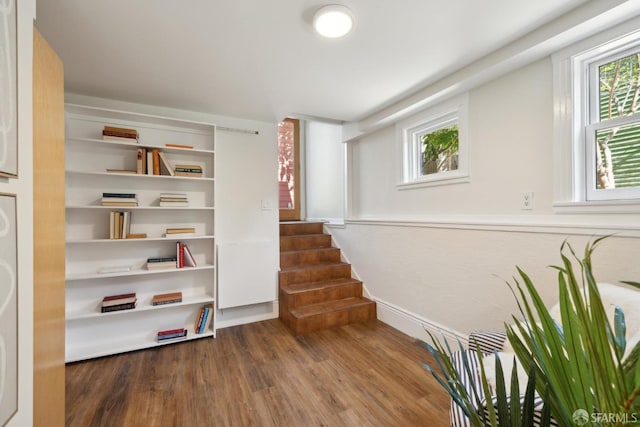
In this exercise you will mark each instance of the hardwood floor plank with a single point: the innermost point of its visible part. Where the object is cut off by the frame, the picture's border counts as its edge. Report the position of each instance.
(259, 374)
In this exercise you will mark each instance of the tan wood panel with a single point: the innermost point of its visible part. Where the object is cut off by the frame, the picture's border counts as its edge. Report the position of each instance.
(48, 232)
(260, 374)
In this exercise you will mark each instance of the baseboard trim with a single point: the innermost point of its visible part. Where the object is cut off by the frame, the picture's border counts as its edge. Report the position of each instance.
(416, 326)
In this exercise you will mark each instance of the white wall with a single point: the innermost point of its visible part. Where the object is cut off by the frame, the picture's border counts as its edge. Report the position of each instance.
(439, 256)
(23, 188)
(246, 175)
(324, 171)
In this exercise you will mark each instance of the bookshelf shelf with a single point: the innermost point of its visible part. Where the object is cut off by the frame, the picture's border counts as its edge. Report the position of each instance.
(139, 176)
(146, 239)
(77, 352)
(140, 208)
(89, 226)
(138, 272)
(134, 146)
(144, 304)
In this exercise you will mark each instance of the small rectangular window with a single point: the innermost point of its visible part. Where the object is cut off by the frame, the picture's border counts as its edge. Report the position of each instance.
(439, 150)
(434, 147)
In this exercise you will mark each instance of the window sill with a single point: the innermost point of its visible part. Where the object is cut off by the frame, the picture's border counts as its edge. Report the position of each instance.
(598, 207)
(434, 181)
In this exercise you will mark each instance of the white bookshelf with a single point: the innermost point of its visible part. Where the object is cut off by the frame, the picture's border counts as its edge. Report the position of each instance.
(90, 333)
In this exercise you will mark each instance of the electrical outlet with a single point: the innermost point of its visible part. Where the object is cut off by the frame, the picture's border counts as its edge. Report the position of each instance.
(526, 201)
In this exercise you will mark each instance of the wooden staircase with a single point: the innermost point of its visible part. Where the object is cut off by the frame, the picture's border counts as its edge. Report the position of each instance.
(316, 290)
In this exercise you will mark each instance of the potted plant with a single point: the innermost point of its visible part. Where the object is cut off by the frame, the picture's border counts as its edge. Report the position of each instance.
(580, 367)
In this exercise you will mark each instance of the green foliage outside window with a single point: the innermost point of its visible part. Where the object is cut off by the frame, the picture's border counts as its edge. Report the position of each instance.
(618, 147)
(440, 150)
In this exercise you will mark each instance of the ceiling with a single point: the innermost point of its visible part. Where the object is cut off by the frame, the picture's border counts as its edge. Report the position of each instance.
(259, 59)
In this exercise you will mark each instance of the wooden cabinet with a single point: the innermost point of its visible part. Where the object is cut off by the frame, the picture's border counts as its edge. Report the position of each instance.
(90, 251)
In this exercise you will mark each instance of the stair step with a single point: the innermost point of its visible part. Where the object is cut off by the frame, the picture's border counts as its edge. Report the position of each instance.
(329, 314)
(308, 257)
(300, 294)
(314, 273)
(301, 228)
(302, 242)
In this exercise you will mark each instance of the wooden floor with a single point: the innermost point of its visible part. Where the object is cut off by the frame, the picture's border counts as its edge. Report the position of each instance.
(261, 375)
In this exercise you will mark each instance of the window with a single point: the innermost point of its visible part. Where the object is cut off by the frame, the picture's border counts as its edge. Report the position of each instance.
(613, 128)
(597, 112)
(433, 146)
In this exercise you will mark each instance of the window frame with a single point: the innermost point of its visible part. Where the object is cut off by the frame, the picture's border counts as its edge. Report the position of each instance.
(574, 129)
(408, 135)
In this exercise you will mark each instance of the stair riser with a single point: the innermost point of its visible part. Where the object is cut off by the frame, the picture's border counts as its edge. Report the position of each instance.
(333, 319)
(302, 228)
(315, 275)
(299, 243)
(321, 295)
(306, 258)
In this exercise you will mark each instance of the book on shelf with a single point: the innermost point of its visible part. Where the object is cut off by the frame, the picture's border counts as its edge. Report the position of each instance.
(171, 331)
(119, 199)
(204, 319)
(171, 336)
(123, 204)
(165, 162)
(155, 155)
(188, 170)
(121, 301)
(136, 235)
(161, 263)
(122, 171)
(179, 255)
(188, 174)
(196, 326)
(149, 162)
(173, 196)
(168, 298)
(181, 230)
(119, 195)
(189, 259)
(118, 302)
(142, 154)
(119, 130)
(106, 137)
(120, 134)
(119, 296)
(189, 147)
(119, 307)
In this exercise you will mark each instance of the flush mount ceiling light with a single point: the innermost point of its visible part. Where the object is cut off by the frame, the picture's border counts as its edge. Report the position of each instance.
(333, 21)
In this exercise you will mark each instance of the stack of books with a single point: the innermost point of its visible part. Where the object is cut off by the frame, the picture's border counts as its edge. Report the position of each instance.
(119, 199)
(120, 134)
(188, 170)
(180, 232)
(162, 263)
(118, 302)
(184, 256)
(204, 319)
(171, 334)
(169, 298)
(173, 200)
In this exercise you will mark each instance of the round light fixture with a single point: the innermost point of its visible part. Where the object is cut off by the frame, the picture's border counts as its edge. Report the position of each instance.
(333, 21)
